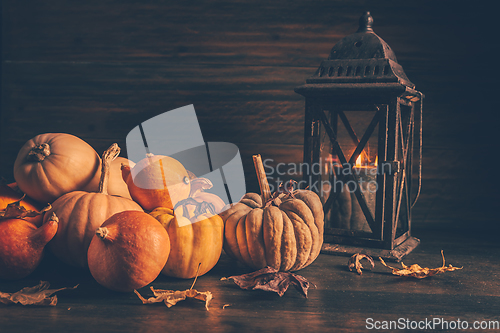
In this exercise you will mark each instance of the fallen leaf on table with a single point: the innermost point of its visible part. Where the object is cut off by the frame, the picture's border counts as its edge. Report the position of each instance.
(355, 262)
(270, 279)
(14, 210)
(37, 295)
(172, 297)
(418, 272)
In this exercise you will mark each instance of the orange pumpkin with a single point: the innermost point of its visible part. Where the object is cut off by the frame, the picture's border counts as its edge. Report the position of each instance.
(157, 181)
(52, 164)
(81, 213)
(128, 251)
(22, 246)
(9, 195)
(195, 239)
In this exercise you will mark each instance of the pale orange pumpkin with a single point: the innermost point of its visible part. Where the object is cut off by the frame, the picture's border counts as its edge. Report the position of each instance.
(196, 238)
(81, 213)
(128, 251)
(52, 164)
(157, 181)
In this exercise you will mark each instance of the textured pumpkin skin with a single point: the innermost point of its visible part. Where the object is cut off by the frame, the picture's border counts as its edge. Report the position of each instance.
(132, 254)
(199, 240)
(152, 186)
(80, 214)
(9, 195)
(71, 165)
(116, 185)
(288, 237)
(22, 246)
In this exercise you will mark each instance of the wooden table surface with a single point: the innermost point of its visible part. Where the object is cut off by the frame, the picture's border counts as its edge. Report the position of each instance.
(342, 301)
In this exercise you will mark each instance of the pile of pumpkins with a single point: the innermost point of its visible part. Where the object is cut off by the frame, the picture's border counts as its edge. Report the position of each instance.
(130, 222)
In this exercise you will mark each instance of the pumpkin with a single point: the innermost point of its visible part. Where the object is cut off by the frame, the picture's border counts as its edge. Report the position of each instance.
(128, 251)
(157, 181)
(22, 246)
(52, 164)
(195, 238)
(8, 195)
(81, 213)
(116, 184)
(283, 231)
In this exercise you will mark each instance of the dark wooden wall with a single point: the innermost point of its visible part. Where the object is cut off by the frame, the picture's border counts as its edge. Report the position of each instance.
(97, 69)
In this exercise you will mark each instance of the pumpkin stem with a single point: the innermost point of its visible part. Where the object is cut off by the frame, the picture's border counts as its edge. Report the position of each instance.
(201, 207)
(199, 185)
(265, 191)
(107, 157)
(102, 232)
(38, 153)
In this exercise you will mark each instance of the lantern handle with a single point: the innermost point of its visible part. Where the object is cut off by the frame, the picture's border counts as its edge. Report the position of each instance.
(419, 151)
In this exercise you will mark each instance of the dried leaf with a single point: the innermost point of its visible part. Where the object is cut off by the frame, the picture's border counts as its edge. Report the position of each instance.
(14, 210)
(172, 297)
(270, 279)
(355, 262)
(418, 272)
(37, 295)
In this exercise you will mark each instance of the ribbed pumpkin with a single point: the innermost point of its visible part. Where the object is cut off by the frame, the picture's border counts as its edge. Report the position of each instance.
(81, 213)
(284, 232)
(196, 238)
(52, 164)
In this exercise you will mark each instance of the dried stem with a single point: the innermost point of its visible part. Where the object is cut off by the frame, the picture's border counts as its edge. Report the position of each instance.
(107, 157)
(39, 152)
(102, 232)
(265, 191)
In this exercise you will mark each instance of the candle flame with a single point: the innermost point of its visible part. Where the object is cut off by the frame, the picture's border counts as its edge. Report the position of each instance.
(358, 161)
(376, 161)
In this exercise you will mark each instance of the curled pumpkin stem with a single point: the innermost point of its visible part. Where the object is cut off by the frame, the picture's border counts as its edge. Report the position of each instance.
(200, 207)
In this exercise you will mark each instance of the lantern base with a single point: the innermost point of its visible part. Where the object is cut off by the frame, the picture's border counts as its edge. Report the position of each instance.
(395, 254)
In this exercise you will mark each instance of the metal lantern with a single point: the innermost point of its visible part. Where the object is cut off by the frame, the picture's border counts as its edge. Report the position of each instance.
(363, 146)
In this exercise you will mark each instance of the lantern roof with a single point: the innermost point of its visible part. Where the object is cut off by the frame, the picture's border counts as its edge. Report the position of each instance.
(360, 58)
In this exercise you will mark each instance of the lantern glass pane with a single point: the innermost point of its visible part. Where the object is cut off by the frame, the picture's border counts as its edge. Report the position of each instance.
(356, 153)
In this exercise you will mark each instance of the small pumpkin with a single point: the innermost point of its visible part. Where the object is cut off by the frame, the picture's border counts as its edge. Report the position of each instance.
(128, 251)
(196, 238)
(52, 164)
(284, 231)
(81, 213)
(157, 181)
(22, 246)
(8, 195)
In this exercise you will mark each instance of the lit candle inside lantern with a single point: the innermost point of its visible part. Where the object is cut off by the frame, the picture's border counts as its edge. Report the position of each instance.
(367, 182)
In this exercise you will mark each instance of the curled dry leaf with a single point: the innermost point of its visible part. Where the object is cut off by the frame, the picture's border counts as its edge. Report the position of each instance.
(355, 262)
(172, 297)
(37, 295)
(14, 210)
(418, 272)
(270, 279)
